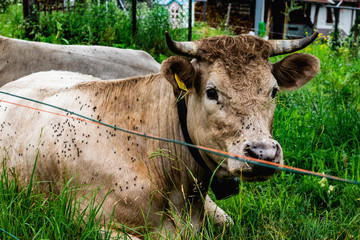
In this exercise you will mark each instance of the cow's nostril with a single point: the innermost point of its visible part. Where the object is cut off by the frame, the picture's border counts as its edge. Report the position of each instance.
(250, 153)
(262, 151)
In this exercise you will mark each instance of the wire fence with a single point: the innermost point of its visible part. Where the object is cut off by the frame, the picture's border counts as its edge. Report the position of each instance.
(258, 162)
(9, 234)
(254, 161)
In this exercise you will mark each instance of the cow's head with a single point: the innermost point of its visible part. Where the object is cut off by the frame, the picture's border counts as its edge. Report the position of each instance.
(231, 95)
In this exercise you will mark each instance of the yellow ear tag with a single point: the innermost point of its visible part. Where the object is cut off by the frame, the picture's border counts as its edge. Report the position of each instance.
(180, 83)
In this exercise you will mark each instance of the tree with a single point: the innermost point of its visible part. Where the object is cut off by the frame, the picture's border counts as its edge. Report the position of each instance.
(288, 9)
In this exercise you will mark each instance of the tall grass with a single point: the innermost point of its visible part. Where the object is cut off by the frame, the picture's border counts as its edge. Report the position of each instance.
(28, 213)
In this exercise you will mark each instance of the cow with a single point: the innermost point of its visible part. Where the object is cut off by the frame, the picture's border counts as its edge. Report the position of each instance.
(224, 98)
(19, 58)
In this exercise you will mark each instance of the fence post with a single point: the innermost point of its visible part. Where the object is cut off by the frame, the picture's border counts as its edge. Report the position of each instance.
(228, 17)
(134, 19)
(204, 11)
(259, 8)
(190, 21)
(336, 36)
(356, 32)
(29, 16)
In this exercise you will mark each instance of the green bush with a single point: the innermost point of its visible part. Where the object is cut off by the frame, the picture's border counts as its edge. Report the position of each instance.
(11, 22)
(4, 4)
(107, 25)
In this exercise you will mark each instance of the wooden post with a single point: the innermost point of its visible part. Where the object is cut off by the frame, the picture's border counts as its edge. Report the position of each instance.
(356, 31)
(317, 8)
(29, 16)
(190, 21)
(134, 30)
(228, 17)
(28, 8)
(268, 21)
(204, 10)
(285, 20)
(335, 38)
(278, 8)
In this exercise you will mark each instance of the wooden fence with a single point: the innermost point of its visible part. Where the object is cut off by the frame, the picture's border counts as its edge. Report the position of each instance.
(56, 5)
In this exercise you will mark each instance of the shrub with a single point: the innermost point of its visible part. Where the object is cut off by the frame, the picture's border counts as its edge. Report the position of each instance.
(11, 22)
(107, 25)
(4, 4)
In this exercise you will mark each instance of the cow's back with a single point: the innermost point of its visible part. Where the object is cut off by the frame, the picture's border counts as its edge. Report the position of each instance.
(19, 58)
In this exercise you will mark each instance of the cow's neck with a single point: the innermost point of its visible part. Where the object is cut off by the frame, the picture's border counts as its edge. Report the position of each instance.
(147, 104)
(182, 114)
(221, 188)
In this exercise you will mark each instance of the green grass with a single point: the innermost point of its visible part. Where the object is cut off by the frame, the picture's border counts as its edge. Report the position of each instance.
(27, 213)
(317, 126)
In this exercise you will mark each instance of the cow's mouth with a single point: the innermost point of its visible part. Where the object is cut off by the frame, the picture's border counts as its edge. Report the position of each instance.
(258, 173)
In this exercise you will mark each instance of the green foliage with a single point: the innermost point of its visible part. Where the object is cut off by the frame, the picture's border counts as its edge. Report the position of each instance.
(201, 30)
(107, 25)
(4, 4)
(93, 24)
(151, 28)
(11, 22)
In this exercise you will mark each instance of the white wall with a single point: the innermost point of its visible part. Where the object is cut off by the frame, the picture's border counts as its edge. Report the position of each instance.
(346, 19)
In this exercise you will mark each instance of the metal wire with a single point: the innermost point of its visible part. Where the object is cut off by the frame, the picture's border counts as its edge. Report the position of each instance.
(9, 234)
(254, 161)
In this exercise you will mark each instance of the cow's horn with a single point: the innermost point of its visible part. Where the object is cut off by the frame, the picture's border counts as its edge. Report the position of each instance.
(288, 46)
(188, 49)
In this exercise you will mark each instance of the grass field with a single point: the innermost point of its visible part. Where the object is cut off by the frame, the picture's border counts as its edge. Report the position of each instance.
(318, 127)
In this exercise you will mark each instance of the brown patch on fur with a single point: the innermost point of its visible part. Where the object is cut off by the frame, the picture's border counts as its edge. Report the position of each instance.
(245, 60)
(235, 52)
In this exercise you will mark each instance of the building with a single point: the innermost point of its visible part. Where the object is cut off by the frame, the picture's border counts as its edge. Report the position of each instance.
(295, 18)
(179, 12)
(323, 15)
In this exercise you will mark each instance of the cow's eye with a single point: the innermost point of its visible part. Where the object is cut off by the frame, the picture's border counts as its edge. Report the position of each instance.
(274, 91)
(212, 94)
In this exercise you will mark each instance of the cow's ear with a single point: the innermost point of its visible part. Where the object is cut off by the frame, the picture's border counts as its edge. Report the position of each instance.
(179, 72)
(295, 70)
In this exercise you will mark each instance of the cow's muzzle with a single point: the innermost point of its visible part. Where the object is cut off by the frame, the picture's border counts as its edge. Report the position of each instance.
(268, 151)
(264, 151)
